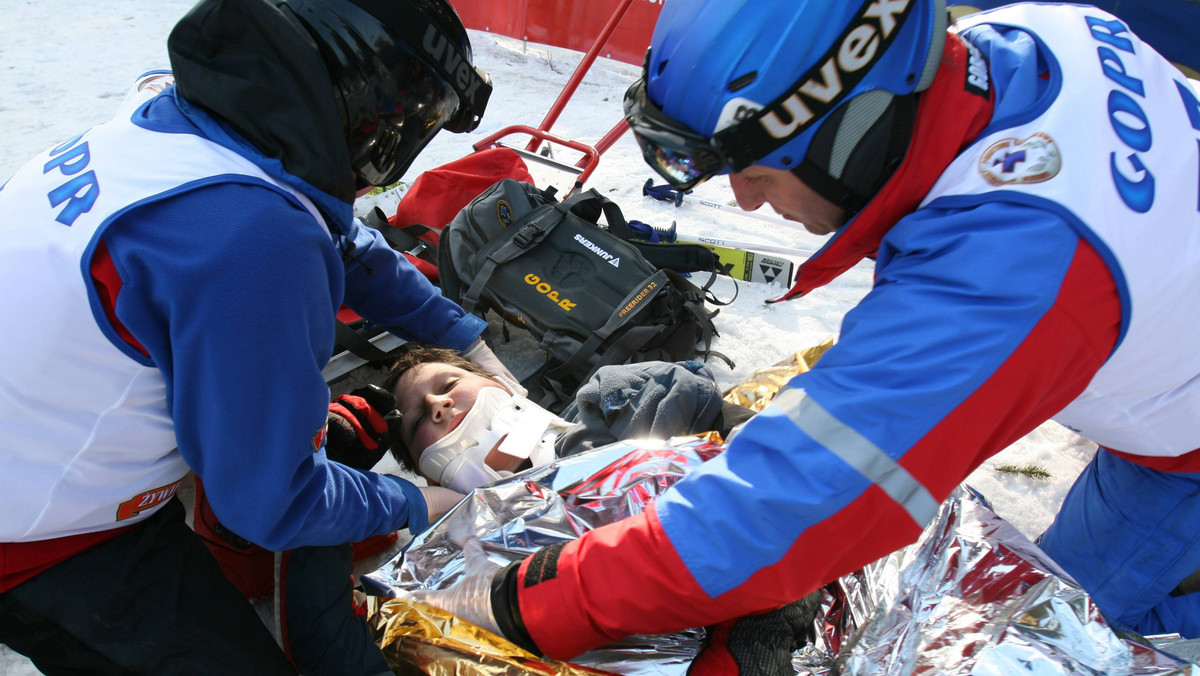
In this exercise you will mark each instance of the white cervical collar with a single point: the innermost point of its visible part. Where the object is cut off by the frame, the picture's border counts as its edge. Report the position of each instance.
(456, 461)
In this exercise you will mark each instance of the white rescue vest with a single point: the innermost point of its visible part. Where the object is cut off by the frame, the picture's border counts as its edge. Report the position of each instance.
(1119, 150)
(87, 443)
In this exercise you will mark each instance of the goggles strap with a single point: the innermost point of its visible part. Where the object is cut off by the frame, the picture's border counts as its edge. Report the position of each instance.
(793, 112)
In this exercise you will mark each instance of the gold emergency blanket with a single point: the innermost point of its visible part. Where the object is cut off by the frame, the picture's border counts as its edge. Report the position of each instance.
(756, 391)
(421, 639)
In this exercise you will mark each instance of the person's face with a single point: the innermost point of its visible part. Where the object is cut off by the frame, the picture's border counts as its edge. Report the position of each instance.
(787, 195)
(433, 399)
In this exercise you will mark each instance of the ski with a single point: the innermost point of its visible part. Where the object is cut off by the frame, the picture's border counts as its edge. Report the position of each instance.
(746, 261)
(386, 198)
(743, 245)
(748, 266)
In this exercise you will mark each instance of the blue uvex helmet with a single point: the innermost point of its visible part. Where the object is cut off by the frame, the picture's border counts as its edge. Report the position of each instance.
(824, 88)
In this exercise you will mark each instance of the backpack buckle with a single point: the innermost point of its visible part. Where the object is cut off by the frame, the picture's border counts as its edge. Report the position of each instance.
(528, 233)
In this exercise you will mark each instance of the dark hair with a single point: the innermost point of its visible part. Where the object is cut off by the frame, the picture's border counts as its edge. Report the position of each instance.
(412, 355)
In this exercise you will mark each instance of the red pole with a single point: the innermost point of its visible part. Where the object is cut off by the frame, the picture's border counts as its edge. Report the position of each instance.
(580, 71)
(610, 138)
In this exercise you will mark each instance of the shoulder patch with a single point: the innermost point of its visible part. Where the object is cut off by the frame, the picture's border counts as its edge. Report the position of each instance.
(1010, 161)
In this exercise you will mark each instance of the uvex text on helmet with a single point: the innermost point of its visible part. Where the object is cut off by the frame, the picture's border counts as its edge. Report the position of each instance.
(756, 81)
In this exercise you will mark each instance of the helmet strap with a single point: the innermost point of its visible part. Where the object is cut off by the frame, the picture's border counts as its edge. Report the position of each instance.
(860, 145)
(858, 148)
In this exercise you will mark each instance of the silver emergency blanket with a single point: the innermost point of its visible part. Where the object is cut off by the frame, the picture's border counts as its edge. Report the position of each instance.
(975, 596)
(509, 520)
(971, 596)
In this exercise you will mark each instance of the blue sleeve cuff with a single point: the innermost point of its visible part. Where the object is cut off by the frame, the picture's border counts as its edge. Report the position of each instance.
(418, 509)
(464, 333)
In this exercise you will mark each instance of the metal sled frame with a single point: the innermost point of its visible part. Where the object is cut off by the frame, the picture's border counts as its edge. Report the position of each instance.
(591, 154)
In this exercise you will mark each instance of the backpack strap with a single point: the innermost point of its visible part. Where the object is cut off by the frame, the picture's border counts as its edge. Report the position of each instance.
(621, 316)
(406, 239)
(589, 204)
(694, 298)
(357, 344)
(521, 236)
(679, 257)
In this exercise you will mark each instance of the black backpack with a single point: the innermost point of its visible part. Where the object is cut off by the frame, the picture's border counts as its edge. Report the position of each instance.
(587, 293)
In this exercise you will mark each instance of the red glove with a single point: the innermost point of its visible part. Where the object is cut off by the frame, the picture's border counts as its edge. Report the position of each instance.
(360, 426)
(759, 644)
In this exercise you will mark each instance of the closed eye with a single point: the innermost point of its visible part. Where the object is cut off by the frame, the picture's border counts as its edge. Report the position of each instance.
(423, 407)
(410, 428)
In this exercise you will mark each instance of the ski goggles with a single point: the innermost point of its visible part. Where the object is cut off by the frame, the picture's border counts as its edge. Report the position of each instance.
(383, 148)
(683, 157)
(414, 99)
(404, 26)
(397, 94)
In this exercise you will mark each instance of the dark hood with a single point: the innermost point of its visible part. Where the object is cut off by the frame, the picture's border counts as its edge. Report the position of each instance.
(257, 71)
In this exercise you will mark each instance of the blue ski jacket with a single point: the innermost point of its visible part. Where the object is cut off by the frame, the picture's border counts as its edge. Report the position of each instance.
(1001, 299)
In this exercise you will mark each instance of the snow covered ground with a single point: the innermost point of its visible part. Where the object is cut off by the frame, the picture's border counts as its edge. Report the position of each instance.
(65, 65)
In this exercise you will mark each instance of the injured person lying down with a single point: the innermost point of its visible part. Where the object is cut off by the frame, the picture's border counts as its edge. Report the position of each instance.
(462, 427)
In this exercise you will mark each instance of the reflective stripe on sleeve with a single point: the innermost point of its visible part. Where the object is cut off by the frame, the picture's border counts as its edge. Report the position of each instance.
(858, 452)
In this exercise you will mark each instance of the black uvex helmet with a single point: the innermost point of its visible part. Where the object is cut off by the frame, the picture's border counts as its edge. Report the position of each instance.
(401, 71)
